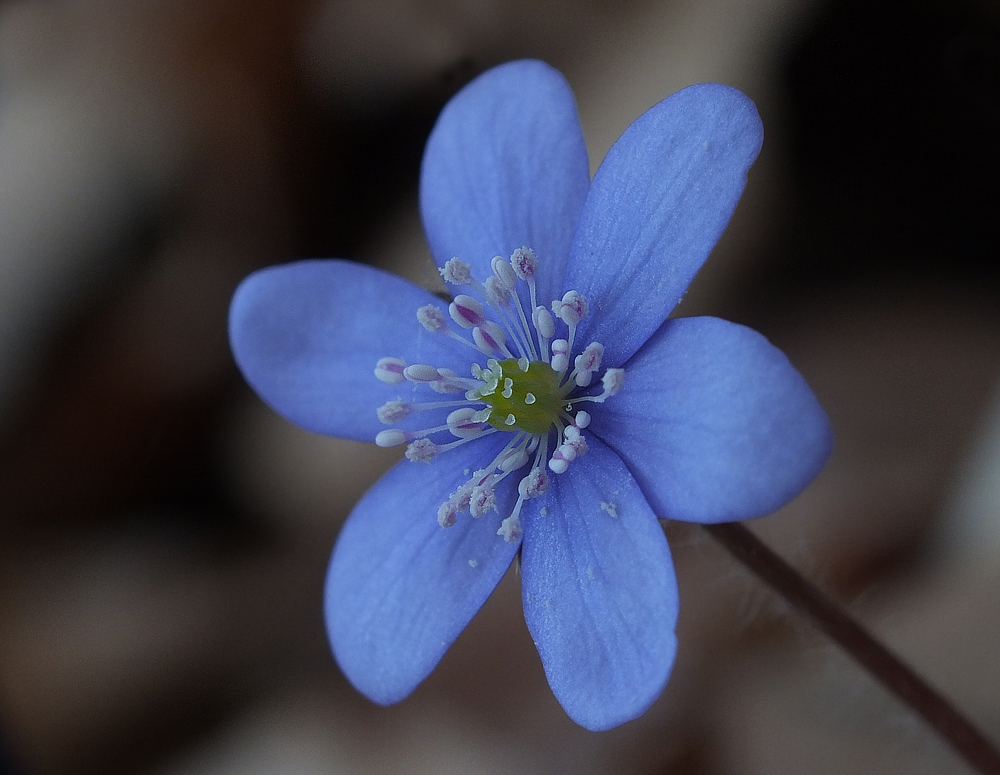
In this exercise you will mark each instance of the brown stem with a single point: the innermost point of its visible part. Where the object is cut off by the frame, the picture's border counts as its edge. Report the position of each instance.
(977, 750)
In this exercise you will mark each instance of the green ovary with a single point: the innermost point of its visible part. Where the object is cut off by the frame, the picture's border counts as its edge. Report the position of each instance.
(541, 382)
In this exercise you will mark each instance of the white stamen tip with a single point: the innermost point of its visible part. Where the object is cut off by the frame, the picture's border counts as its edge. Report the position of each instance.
(496, 293)
(534, 484)
(393, 411)
(421, 451)
(590, 358)
(483, 499)
(456, 272)
(489, 337)
(431, 318)
(462, 423)
(390, 370)
(504, 272)
(510, 530)
(572, 309)
(582, 419)
(466, 311)
(583, 378)
(390, 438)
(613, 380)
(420, 372)
(543, 321)
(525, 263)
(447, 514)
(513, 460)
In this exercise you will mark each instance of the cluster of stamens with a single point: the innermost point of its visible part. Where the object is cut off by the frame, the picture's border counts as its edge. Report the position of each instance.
(526, 389)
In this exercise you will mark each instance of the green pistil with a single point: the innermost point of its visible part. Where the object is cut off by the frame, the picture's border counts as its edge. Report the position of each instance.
(528, 400)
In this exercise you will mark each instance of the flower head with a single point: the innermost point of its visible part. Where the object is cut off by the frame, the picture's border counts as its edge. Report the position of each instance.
(551, 408)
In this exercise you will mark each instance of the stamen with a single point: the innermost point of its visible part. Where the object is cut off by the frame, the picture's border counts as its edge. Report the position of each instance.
(390, 370)
(510, 529)
(524, 263)
(560, 355)
(393, 411)
(422, 451)
(431, 318)
(464, 424)
(421, 372)
(572, 309)
(496, 294)
(456, 272)
(490, 339)
(466, 311)
(390, 438)
(504, 272)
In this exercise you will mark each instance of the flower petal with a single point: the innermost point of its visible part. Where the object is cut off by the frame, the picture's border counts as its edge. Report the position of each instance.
(600, 596)
(400, 588)
(506, 167)
(658, 204)
(715, 423)
(307, 337)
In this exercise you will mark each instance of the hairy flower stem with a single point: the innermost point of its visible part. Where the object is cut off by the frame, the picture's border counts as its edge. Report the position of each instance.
(970, 743)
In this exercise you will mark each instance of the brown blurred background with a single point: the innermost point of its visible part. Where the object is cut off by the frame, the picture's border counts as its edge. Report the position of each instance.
(163, 536)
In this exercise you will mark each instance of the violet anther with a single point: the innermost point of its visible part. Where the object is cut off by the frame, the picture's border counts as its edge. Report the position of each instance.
(562, 413)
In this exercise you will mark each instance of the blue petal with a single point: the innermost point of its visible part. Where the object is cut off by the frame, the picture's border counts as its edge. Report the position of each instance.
(657, 206)
(600, 596)
(715, 423)
(400, 588)
(307, 337)
(506, 167)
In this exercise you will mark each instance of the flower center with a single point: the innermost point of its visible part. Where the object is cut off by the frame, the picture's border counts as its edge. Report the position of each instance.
(529, 399)
(530, 395)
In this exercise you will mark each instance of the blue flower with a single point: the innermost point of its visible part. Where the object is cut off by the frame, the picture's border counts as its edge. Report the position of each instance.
(562, 430)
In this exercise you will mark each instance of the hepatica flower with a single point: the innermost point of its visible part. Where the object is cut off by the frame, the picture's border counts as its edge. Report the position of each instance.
(551, 409)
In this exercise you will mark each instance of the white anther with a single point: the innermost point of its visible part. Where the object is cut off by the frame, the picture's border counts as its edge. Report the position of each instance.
(567, 452)
(422, 451)
(421, 372)
(572, 309)
(579, 446)
(534, 484)
(483, 499)
(447, 513)
(466, 311)
(504, 272)
(390, 438)
(462, 423)
(489, 337)
(510, 529)
(513, 460)
(560, 346)
(393, 411)
(560, 362)
(582, 419)
(571, 432)
(431, 318)
(496, 293)
(613, 380)
(456, 272)
(558, 465)
(543, 321)
(390, 370)
(583, 378)
(525, 263)
(590, 358)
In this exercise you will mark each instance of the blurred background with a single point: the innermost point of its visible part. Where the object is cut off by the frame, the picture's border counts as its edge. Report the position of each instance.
(164, 536)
